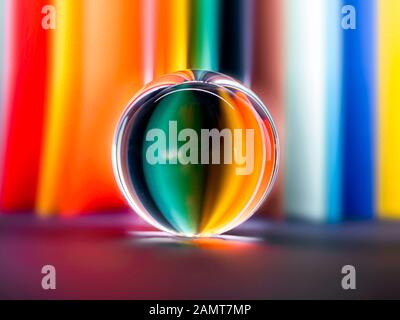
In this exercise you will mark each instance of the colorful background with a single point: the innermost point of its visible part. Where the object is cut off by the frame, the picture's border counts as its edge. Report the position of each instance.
(333, 93)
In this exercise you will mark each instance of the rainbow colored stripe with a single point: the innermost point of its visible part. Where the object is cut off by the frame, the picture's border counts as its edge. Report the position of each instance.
(332, 92)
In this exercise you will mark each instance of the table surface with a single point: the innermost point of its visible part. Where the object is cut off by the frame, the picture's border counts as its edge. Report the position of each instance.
(116, 256)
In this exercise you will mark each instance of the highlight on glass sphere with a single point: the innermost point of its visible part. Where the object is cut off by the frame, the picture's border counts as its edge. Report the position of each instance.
(195, 153)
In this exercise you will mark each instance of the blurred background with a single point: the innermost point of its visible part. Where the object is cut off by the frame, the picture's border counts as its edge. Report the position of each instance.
(329, 72)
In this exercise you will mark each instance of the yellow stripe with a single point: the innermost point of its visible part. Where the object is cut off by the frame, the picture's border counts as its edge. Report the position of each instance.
(228, 193)
(389, 111)
(63, 106)
(177, 51)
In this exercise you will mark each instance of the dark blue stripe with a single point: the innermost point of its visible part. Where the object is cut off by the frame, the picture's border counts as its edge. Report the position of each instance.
(358, 102)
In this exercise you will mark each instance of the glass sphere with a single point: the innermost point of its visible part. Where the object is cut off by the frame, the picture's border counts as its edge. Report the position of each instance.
(195, 153)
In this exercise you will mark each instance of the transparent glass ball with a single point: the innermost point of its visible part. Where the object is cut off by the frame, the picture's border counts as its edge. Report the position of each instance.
(195, 153)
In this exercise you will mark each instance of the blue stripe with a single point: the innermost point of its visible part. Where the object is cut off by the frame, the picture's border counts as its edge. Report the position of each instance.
(358, 104)
(333, 122)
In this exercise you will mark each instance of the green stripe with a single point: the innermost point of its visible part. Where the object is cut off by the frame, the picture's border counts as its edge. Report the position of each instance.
(176, 189)
(204, 35)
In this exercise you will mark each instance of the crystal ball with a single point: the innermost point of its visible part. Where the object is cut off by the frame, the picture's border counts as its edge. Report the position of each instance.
(195, 153)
